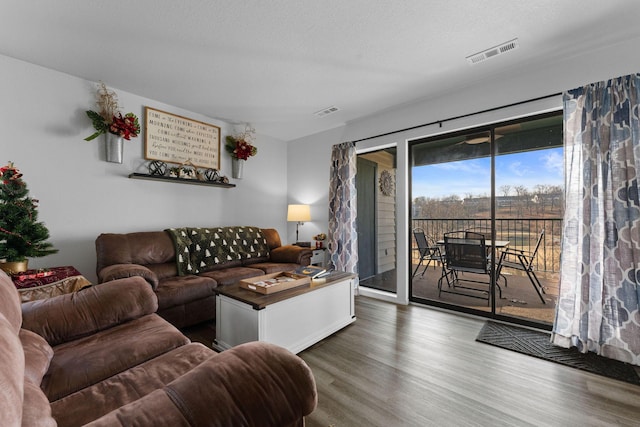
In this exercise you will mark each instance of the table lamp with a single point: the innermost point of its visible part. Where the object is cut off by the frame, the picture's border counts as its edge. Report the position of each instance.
(299, 213)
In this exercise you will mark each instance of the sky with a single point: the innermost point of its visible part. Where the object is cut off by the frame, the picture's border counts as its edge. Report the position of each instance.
(474, 177)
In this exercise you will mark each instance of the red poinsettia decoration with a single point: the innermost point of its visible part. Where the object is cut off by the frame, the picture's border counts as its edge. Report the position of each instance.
(127, 126)
(240, 148)
(241, 145)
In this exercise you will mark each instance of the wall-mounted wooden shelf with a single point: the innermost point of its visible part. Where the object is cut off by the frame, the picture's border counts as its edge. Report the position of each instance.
(179, 180)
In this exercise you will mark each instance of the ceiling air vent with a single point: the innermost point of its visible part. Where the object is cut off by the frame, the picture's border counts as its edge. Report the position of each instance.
(326, 111)
(494, 51)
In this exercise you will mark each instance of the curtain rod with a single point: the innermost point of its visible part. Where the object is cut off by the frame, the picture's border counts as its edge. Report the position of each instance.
(440, 122)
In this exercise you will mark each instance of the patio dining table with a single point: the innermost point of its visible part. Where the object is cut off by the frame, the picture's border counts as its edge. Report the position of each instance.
(499, 244)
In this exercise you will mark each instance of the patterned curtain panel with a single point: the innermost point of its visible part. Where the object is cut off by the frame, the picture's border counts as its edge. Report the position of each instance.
(600, 269)
(342, 233)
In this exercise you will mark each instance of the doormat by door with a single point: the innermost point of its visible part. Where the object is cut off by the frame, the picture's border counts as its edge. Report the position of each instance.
(536, 343)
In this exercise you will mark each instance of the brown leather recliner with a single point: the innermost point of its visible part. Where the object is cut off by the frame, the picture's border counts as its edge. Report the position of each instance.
(101, 357)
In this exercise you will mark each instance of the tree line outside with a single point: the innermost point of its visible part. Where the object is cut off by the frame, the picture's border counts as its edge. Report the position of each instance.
(512, 201)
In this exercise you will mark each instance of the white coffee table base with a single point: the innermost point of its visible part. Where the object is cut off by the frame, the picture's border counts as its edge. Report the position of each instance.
(294, 323)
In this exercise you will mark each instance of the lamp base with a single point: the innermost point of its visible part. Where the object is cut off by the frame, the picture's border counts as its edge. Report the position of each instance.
(303, 244)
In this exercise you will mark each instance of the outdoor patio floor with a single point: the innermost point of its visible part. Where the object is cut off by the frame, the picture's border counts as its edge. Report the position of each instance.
(519, 298)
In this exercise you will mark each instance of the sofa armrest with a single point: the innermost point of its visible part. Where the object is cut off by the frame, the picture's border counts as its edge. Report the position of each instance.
(291, 253)
(121, 271)
(71, 316)
(254, 384)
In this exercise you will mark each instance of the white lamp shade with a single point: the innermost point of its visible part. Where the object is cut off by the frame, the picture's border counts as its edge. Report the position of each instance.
(299, 213)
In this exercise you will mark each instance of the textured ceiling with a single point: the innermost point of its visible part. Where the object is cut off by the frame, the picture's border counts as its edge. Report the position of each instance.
(274, 63)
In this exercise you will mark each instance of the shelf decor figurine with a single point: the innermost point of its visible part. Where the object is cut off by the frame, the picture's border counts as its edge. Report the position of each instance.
(110, 122)
(21, 235)
(241, 147)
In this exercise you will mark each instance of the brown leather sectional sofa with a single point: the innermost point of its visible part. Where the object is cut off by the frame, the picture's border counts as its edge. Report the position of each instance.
(209, 257)
(102, 357)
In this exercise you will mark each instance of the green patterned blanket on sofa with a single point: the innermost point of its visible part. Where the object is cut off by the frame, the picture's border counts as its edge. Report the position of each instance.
(203, 249)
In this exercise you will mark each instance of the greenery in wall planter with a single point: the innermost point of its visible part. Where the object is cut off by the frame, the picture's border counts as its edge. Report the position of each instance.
(109, 119)
(240, 147)
(21, 235)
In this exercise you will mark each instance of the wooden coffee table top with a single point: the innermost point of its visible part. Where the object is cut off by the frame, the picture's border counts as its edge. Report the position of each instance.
(259, 301)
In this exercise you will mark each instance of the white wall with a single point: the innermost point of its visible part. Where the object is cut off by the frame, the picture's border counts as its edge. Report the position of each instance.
(43, 122)
(309, 161)
(532, 82)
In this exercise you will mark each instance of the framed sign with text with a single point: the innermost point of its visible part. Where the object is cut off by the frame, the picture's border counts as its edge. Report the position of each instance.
(176, 139)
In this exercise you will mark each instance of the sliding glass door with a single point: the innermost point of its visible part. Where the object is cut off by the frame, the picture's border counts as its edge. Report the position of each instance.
(451, 189)
(500, 187)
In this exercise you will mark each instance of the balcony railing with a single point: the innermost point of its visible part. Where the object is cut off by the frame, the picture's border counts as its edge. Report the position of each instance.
(522, 233)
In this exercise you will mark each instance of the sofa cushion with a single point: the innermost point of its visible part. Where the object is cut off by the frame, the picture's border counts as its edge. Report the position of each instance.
(292, 253)
(154, 409)
(37, 356)
(163, 270)
(274, 267)
(71, 316)
(36, 411)
(10, 302)
(230, 264)
(128, 386)
(190, 313)
(151, 247)
(229, 276)
(11, 374)
(121, 271)
(86, 361)
(180, 290)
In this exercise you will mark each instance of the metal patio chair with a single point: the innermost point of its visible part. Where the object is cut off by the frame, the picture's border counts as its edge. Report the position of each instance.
(428, 251)
(466, 252)
(522, 260)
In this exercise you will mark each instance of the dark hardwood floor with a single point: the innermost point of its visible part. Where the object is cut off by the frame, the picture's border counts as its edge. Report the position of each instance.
(416, 366)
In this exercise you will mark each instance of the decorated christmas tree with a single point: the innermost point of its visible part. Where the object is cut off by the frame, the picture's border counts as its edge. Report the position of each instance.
(21, 235)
